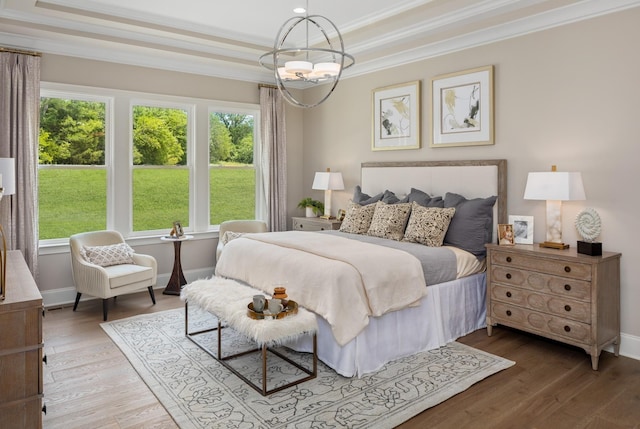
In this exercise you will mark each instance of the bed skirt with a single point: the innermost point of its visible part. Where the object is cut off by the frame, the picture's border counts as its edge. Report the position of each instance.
(450, 310)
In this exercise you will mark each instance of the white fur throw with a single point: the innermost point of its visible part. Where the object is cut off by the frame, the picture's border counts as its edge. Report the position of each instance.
(228, 300)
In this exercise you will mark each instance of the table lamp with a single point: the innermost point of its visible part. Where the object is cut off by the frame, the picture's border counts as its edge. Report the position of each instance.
(328, 181)
(554, 187)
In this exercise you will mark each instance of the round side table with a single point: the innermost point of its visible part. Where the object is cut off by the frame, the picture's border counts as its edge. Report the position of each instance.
(177, 279)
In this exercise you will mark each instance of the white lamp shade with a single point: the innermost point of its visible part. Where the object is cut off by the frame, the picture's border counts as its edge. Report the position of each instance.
(303, 67)
(8, 175)
(326, 69)
(554, 185)
(328, 181)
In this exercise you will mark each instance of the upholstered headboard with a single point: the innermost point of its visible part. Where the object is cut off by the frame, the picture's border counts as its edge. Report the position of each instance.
(472, 179)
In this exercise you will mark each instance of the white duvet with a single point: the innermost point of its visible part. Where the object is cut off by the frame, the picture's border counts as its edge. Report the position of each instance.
(344, 281)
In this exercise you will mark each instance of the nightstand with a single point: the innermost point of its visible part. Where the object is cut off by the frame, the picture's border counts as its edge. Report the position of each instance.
(558, 294)
(314, 224)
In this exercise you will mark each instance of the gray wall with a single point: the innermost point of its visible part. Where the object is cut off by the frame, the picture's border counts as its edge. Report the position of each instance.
(565, 96)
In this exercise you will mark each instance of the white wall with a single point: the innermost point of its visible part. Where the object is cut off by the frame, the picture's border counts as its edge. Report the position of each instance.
(566, 96)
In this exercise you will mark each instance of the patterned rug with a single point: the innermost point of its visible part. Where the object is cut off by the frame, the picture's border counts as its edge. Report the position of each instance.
(198, 392)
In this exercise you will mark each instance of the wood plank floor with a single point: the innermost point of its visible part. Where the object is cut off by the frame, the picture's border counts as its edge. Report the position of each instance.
(88, 383)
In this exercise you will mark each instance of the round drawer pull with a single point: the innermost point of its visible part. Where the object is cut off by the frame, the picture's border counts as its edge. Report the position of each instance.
(508, 258)
(508, 294)
(567, 328)
(567, 287)
(508, 312)
(508, 275)
(567, 269)
(567, 308)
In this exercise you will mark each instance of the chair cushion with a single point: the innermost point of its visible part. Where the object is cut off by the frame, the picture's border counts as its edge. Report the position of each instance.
(106, 256)
(126, 274)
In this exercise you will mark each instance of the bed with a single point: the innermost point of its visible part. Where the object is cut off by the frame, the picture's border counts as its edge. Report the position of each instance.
(378, 298)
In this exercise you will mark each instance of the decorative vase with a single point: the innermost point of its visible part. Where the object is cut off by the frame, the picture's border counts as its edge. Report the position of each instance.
(280, 293)
(309, 212)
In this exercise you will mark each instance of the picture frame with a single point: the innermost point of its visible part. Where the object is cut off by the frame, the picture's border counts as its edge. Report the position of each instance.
(341, 214)
(177, 227)
(505, 234)
(462, 108)
(396, 117)
(522, 228)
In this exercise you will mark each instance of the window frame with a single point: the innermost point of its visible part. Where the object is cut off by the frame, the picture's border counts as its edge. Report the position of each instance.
(119, 155)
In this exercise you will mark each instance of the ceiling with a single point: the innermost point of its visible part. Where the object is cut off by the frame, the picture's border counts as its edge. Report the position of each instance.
(225, 38)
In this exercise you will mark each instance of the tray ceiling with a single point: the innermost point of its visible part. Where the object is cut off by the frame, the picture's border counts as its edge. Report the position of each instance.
(225, 39)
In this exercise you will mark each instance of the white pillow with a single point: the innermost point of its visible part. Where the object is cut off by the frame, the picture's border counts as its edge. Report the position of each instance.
(114, 254)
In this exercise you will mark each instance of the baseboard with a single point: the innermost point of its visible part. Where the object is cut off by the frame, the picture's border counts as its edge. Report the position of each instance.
(629, 346)
(66, 296)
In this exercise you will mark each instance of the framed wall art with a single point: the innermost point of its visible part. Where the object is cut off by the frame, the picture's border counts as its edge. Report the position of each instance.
(462, 108)
(522, 228)
(396, 117)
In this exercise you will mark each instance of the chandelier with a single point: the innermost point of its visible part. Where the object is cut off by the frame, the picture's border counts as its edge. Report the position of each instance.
(318, 64)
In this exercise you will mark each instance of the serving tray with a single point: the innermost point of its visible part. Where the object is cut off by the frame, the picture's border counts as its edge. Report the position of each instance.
(290, 309)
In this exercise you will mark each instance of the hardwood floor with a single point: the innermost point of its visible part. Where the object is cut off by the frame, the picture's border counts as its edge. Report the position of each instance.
(89, 383)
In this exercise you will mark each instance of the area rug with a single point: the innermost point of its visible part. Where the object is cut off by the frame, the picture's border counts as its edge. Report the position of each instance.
(199, 392)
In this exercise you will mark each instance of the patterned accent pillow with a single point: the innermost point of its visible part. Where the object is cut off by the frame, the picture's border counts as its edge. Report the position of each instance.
(230, 235)
(389, 220)
(357, 219)
(428, 225)
(114, 254)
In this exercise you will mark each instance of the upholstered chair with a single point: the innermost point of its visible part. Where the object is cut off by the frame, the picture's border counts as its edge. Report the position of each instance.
(104, 266)
(237, 226)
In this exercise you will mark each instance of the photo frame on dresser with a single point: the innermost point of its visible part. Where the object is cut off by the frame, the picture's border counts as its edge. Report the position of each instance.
(522, 229)
(396, 117)
(462, 108)
(505, 234)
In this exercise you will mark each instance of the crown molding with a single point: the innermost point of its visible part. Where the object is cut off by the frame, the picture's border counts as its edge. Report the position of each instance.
(184, 54)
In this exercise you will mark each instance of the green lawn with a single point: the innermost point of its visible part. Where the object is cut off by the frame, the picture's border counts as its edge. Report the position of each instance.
(72, 201)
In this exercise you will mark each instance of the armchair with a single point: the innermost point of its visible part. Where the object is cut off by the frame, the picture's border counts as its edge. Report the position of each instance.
(238, 226)
(105, 280)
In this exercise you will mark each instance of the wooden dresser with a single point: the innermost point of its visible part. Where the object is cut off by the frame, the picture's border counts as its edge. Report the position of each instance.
(314, 224)
(558, 294)
(20, 348)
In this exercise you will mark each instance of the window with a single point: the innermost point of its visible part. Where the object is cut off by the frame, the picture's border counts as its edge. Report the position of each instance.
(136, 162)
(160, 170)
(72, 176)
(232, 174)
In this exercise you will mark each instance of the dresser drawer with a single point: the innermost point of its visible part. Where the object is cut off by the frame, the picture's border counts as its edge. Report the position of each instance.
(314, 224)
(551, 304)
(571, 269)
(539, 282)
(540, 323)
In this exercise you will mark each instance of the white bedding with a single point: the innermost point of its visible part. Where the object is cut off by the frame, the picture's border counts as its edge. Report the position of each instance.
(345, 281)
(450, 310)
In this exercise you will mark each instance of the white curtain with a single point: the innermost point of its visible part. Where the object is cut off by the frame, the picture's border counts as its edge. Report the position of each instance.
(19, 129)
(274, 156)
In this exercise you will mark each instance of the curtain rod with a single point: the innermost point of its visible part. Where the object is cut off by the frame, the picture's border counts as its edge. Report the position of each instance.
(265, 85)
(19, 51)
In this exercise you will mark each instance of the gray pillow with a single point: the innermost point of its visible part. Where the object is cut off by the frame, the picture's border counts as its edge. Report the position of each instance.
(423, 199)
(363, 199)
(389, 197)
(472, 224)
